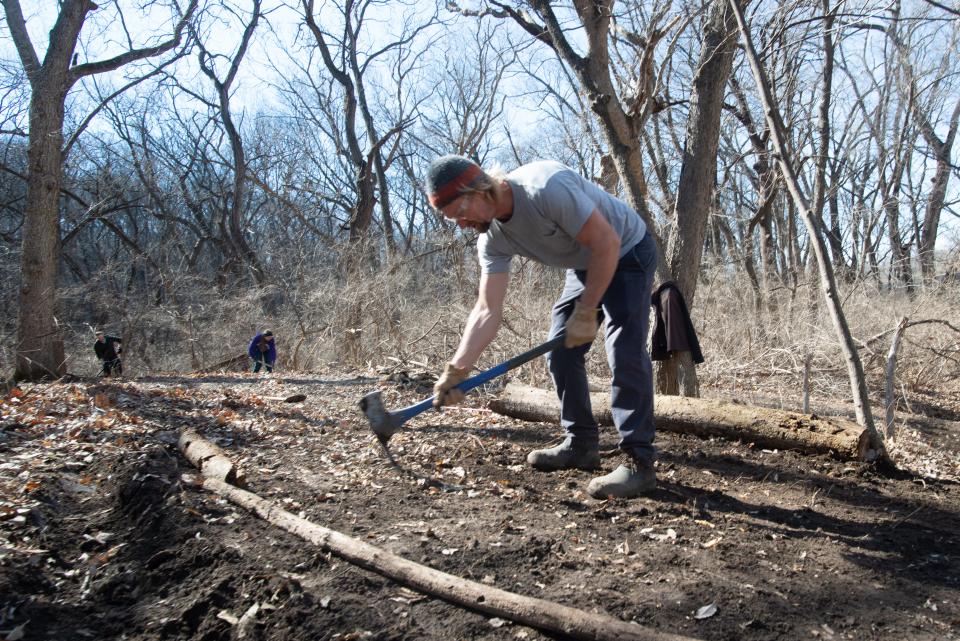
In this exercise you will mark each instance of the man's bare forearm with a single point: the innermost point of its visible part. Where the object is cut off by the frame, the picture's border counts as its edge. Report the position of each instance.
(482, 327)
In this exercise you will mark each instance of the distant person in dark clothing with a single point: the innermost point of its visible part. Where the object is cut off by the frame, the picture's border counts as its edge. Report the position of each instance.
(108, 349)
(263, 351)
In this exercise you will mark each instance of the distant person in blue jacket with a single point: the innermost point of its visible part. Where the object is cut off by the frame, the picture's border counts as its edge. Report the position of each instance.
(263, 351)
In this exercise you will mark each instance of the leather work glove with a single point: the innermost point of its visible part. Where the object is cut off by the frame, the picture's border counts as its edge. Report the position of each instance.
(444, 387)
(582, 326)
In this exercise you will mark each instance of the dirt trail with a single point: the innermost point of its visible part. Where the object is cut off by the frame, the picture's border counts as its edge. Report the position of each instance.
(106, 535)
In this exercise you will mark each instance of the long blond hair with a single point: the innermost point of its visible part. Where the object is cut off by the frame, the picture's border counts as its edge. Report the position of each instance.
(487, 183)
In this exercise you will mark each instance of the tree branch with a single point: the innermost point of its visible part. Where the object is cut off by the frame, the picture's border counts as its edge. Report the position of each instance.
(21, 38)
(944, 7)
(103, 103)
(91, 68)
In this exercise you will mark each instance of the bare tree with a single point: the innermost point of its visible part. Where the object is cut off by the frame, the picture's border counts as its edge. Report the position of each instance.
(468, 99)
(620, 119)
(910, 97)
(923, 101)
(176, 159)
(223, 87)
(698, 175)
(858, 382)
(765, 180)
(39, 347)
(347, 63)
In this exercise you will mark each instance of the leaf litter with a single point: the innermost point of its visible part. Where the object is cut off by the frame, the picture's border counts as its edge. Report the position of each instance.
(98, 511)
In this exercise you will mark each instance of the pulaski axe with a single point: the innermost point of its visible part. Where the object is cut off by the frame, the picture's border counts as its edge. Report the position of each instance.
(385, 424)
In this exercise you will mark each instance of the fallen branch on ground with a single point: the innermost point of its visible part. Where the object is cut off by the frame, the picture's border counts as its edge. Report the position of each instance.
(293, 398)
(537, 613)
(208, 458)
(232, 364)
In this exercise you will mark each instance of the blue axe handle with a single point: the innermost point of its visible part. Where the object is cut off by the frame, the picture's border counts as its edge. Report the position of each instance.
(401, 416)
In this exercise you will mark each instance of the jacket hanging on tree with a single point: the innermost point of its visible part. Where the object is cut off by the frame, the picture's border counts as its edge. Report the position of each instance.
(672, 330)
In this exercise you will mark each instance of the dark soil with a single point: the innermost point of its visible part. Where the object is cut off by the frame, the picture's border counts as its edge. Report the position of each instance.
(106, 533)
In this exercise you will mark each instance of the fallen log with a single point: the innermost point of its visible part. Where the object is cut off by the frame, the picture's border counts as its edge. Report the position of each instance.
(761, 426)
(208, 458)
(538, 613)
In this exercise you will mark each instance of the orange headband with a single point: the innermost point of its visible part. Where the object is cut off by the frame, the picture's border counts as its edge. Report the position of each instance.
(451, 190)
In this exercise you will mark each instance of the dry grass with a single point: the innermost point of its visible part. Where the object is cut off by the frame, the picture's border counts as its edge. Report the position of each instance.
(412, 317)
(766, 349)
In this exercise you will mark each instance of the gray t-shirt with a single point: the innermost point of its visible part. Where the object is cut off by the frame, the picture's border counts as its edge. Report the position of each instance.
(551, 203)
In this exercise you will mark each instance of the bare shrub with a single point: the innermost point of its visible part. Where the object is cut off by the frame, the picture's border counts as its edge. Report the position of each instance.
(750, 349)
(410, 314)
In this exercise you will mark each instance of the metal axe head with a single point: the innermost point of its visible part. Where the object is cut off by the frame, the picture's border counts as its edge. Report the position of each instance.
(383, 423)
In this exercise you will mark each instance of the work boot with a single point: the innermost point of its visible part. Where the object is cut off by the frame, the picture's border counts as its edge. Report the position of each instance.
(630, 480)
(571, 454)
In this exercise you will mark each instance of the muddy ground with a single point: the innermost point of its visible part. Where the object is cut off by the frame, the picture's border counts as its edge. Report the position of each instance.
(106, 533)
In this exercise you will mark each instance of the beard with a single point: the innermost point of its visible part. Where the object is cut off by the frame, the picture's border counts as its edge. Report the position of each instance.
(480, 228)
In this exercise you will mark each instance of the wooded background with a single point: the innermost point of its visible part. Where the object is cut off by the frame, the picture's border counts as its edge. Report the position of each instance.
(185, 173)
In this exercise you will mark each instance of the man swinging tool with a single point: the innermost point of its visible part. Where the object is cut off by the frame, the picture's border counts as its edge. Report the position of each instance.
(547, 212)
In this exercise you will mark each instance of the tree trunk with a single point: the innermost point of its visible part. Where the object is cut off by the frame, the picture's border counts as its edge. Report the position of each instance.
(698, 175)
(39, 344)
(834, 236)
(666, 376)
(763, 222)
(362, 215)
(743, 256)
(389, 235)
(901, 271)
(858, 384)
(824, 128)
(889, 387)
(938, 191)
(238, 198)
